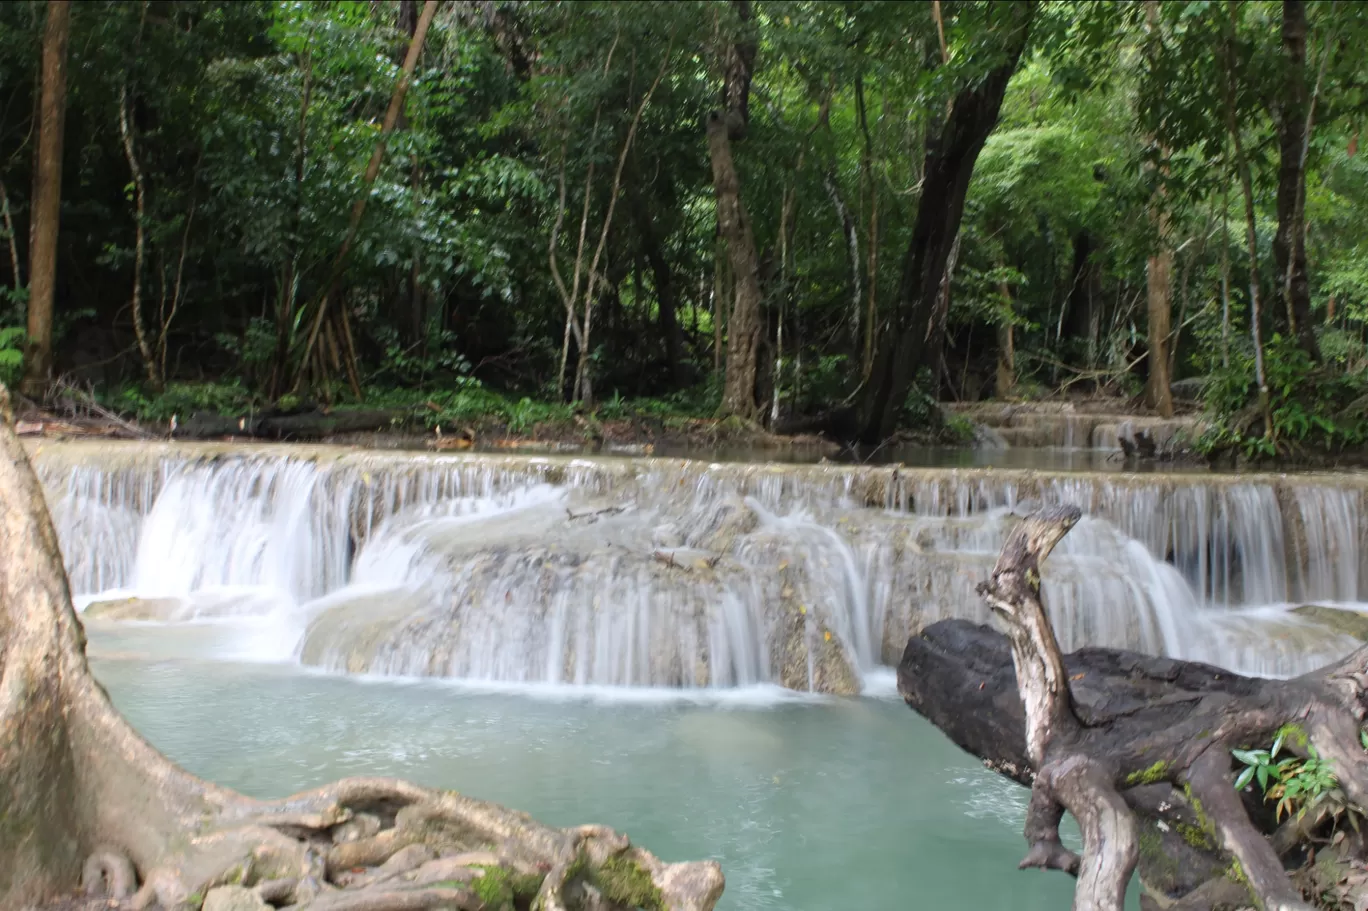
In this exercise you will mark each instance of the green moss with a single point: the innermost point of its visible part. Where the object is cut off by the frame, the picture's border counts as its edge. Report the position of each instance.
(501, 889)
(625, 882)
(1195, 837)
(1203, 835)
(195, 900)
(1235, 873)
(1294, 733)
(1155, 773)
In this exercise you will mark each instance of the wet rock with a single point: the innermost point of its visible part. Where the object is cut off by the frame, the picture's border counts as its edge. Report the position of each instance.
(234, 898)
(806, 656)
(149, 609)
(1342, 620)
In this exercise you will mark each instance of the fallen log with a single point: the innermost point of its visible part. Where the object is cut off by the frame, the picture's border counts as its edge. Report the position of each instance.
(295, 427)
(1137, 748)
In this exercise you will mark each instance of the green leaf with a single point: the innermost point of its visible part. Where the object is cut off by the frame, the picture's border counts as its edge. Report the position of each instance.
(1244, 778)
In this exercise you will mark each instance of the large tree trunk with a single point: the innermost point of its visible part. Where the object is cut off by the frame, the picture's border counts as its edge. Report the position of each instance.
(47, 200)
(1115, 737)
(743, 324)
(902, 347)
(1293, 123)
(86, 798)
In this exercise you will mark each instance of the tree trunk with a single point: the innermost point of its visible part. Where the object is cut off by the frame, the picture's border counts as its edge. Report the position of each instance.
(1251, 234)
(852, 239)
(1081, 320)
(415, 299)
(1113, 736)
(902, 346)
(47, 200)
(1159, 292)
(1005, 380)
(1293, 124)
(154, 378)
(83, 789)
(743, 325)
(666, 298)
(1159, 267)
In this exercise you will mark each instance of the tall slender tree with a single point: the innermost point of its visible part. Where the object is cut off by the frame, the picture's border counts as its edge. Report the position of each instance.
(47, 203)
(1292, 117)
(1159, 265)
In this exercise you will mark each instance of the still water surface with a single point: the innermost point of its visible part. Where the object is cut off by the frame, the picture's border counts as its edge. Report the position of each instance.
(810, 804)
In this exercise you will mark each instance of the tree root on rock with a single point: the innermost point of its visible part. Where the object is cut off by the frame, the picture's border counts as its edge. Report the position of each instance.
(1137, 748)
(87, 800)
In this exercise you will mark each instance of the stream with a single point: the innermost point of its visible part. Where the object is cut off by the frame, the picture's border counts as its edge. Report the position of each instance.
(696, 653)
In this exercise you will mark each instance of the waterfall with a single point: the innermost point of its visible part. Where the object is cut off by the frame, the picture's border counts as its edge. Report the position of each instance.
(655, 572)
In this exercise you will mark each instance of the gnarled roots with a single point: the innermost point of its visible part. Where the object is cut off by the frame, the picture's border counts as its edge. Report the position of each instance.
(386, 845)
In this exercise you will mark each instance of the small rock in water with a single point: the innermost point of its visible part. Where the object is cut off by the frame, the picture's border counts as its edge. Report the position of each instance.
(667, 535)
(234, 898)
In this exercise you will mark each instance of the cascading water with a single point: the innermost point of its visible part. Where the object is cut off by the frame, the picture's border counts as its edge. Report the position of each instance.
(684, 574)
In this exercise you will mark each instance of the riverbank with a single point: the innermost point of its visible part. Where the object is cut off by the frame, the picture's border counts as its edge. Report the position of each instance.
(1119, 431)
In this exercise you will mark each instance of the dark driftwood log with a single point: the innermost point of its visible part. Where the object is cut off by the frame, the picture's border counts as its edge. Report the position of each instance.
(1124, 741)
(308, 425)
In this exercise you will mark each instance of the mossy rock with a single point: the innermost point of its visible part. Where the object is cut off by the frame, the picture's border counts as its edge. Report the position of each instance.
(624, 882)
(1349, 622)
(502, 889)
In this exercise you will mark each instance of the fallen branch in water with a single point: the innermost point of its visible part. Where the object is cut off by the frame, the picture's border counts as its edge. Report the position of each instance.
(1135, 747)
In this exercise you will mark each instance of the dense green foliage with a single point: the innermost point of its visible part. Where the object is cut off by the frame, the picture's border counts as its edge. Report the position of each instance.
(252, 124)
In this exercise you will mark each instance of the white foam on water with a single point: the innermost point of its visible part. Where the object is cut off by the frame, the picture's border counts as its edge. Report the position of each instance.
(662, 577)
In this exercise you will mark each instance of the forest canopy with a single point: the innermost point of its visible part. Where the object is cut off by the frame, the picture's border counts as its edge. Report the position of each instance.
(768, 209)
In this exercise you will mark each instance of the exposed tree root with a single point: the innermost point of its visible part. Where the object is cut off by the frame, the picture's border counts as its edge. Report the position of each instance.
(83, 798)
(1138, 749)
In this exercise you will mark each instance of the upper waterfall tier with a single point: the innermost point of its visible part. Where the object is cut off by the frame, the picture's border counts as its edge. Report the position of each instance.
(677, 573)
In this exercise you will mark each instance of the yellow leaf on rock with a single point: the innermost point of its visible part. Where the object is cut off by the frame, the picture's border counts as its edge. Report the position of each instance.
(827, 635)
(802, 608)
(783, 565)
